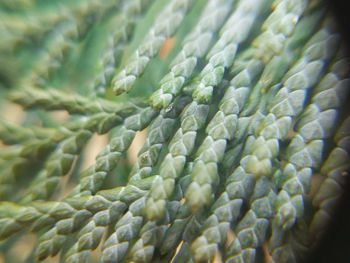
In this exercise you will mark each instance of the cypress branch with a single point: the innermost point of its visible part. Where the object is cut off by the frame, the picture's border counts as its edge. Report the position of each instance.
(240, 119)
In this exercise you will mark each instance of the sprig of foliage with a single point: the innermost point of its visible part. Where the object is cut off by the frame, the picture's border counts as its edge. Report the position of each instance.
(241, 118)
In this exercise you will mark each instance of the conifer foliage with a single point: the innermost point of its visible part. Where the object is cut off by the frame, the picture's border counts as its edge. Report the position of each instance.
(242, 104)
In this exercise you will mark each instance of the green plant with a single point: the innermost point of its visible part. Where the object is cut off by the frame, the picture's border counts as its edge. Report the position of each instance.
(246, 149)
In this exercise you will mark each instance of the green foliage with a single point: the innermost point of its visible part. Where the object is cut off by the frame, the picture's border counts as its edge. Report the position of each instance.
(242, 101)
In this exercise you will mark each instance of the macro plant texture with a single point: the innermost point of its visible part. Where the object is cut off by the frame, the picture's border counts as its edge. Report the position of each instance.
(220, 127)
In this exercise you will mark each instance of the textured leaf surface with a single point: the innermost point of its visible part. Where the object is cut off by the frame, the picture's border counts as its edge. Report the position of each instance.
(226, 137)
